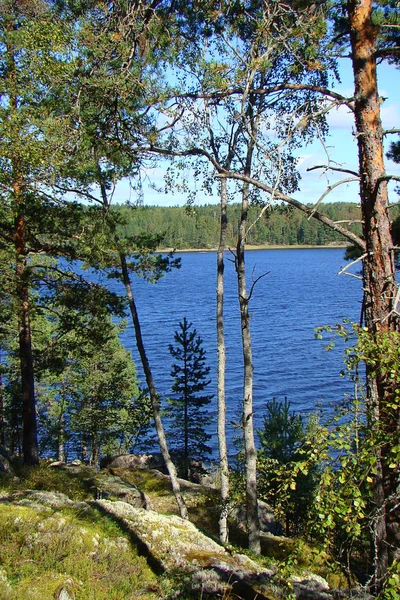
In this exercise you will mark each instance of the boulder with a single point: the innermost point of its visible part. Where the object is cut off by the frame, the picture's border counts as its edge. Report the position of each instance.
(126, 461)
(171, 543)
(268, 522)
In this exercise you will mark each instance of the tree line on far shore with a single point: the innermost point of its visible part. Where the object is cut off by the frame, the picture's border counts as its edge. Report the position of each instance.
(183, 227)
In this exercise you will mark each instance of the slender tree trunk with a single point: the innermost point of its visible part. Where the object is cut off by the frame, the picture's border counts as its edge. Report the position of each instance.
(185, 416)
(84, 448)
(253, 524)
(2, 419)
(155, 405)
(61, 424)
(60, 436)
(379, 279)
(222, 445)
(94, 457)
(152, 391)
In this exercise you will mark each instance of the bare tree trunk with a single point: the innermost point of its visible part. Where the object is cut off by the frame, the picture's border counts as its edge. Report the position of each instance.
(84, 450)
(2, 419)
(152, 391)
(60, 436)
(379, 279)
(253, 524)
(222, 445)
(155, 405)
(185, 421)
(95, 454)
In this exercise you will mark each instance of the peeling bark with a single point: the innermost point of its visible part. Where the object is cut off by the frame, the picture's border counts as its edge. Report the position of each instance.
(379, 278)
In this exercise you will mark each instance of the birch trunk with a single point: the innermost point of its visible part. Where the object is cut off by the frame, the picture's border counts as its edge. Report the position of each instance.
(222, 445)
(253, 524)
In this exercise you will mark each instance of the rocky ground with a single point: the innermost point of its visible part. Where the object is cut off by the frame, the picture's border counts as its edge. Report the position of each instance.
(184, 559)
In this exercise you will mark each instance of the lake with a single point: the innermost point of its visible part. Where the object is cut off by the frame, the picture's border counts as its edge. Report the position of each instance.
(300, 292)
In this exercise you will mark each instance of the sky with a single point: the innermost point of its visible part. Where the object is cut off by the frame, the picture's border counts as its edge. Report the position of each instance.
(340, 143)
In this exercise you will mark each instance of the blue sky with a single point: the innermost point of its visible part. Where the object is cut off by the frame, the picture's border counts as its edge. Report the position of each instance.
(340, 143)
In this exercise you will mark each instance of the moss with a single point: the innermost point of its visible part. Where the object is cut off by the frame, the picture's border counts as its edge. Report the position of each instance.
(41, 551)
(147, 481)
(45, 477)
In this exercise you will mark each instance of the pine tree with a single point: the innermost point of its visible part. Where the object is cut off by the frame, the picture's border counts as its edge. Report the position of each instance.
(187, 406)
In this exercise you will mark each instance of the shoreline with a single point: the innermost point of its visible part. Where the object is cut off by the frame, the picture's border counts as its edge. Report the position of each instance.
(262, 247)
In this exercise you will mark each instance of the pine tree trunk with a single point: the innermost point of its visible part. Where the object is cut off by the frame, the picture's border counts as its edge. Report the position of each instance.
(185, 418)
(95, 454)
(30, 447)
(152, 391)
(222, 445)
(379, 279)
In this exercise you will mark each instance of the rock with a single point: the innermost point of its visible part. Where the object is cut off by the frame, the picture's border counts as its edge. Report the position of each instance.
(161, 534)
(171, 543)
(268, 522)
(107, 486)
(52, 499)
(126, 461)
(62, 593)
(198, 473)
(56, 463)
(313, 581)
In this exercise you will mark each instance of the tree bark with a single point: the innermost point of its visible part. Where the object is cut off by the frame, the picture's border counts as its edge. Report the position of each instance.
(155, 405)
(222, 445)
(2, 419)
(30, 447)
(152, 391)
(379, 278)
(253, 524)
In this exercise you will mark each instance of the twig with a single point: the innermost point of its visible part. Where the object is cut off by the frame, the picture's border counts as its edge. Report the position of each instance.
(328, 167)
(328, 190)
(394, 310)
(253, 285)
(354, 262)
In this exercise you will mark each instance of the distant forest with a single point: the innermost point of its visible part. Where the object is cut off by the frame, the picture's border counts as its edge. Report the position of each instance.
(198, 226)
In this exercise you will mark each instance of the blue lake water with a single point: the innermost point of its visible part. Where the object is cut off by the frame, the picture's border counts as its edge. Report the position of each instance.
(300, 292)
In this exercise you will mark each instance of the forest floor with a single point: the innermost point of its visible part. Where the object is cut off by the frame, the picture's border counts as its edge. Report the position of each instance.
(68, 532)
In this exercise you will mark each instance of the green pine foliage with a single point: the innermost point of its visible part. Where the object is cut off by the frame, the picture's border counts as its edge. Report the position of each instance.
(93, 406)
(187, 408)
(283, 481)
